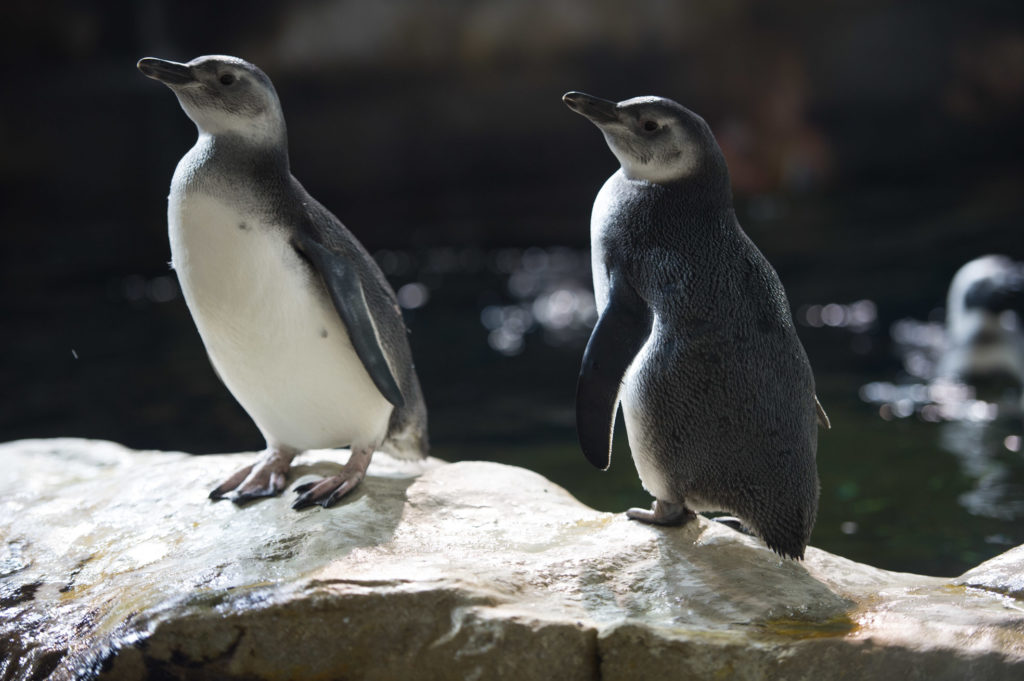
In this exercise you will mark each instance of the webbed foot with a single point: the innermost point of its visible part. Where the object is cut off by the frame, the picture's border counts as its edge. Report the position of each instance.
(662, 513)
(328, 490)
(265, 478)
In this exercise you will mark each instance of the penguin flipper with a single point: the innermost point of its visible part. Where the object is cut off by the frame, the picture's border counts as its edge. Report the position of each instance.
(619, 334)
(346, 291)
(822, 416)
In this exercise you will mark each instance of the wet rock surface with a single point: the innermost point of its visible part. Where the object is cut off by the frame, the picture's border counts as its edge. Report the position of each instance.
(114, 565)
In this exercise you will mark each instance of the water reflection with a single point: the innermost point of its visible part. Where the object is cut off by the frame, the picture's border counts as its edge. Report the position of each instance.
(989, 455)
(964, 374)
(860, 318)
(552, 293)
(935, 401)
(413, 295)
(970, 368)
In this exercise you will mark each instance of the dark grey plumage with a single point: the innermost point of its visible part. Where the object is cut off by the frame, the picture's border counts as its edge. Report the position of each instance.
(719, 403)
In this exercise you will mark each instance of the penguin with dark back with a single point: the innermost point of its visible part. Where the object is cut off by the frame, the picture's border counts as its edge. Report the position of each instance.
(298, 320)
(695, 336)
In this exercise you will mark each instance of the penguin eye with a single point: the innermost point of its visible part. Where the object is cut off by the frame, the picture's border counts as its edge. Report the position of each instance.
(650, 126)
(227, 79)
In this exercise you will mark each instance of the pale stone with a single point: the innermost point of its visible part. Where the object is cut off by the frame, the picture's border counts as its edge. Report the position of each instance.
(114, 564)
(1003, 574)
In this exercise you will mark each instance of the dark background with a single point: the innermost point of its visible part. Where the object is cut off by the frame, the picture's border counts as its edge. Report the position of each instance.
(875, 146)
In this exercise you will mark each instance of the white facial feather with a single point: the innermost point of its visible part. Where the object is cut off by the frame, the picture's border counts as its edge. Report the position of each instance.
(668, 157)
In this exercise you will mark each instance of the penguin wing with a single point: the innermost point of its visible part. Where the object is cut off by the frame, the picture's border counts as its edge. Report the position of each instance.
(346, 290)
(822, 416)
(619, 334)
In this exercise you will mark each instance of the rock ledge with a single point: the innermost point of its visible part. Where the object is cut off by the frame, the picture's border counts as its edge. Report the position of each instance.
(114, 565)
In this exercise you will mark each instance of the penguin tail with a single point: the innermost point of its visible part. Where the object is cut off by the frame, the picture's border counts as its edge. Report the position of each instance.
(787, 545)
(792, 553)
(786, 526)
(409, 444)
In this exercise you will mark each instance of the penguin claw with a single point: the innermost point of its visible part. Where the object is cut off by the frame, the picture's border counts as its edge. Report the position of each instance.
(305, 487)
(323, 493)
(265, 478)
(303, 501)
(220, 492)
(242, 497)
(327, 491)
(342, 490)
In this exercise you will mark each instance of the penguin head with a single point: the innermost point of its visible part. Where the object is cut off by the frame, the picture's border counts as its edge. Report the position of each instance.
(655, 139)
(223, 95)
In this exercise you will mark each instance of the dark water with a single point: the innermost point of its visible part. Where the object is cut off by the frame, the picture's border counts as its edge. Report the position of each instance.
(498, 337)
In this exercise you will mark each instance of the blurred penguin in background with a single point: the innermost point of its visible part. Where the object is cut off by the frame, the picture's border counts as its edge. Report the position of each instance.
(984, 330)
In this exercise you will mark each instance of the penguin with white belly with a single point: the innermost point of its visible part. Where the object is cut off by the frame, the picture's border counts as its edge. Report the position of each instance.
(298, 320)
(695, 336)
(985, 323)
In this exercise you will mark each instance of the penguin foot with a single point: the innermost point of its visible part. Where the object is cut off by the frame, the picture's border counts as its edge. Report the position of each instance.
(328, 490)
(735, 523)
(265, 478)
(662, 513)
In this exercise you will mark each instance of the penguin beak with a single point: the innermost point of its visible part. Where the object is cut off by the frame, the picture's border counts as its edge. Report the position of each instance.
(599, 111)
(167, 72)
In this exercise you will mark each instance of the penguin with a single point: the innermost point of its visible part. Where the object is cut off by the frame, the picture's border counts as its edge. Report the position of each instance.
(694, 337)
(297, 319)
(985, 323)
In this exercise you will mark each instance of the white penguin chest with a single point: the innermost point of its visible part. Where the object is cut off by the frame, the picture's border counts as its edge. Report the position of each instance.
(273, 336)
